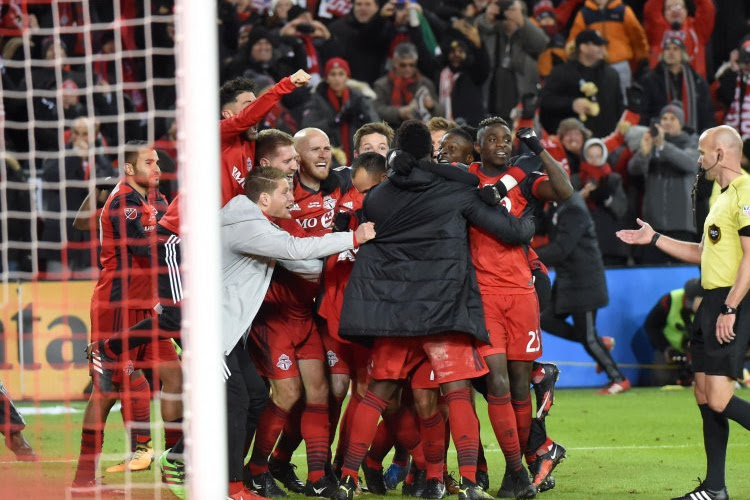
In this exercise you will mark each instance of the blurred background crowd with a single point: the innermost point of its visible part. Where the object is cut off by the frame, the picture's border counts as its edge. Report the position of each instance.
(620, 90)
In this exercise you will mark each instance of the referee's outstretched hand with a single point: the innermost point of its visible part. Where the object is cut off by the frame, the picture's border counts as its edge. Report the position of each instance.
(640, 236)
(365, 232)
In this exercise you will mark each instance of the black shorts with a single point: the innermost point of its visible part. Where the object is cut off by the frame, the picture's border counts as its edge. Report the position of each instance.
(169, 260)
(710, 357)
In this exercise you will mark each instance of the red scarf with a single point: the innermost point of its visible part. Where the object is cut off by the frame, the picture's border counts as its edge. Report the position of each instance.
(313, 63)
(401, 95)
(589, 172)
(337, 103)
(738, 115)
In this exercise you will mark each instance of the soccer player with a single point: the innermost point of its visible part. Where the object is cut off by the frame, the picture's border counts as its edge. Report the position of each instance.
(373, 137)
(722, 324)
(252, 244)
(285, 341)
(416, 293)
(505, 280)
(122, 297)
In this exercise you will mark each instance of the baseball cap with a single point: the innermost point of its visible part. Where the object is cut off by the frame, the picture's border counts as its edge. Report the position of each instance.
(590, 36)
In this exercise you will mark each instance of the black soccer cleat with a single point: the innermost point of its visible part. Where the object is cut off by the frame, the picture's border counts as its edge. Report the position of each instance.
(483, 479)
(516, 484)
(472, 491)
(325, 487)
(374, 479)
(346, 489)
(284, 473)
(543, 379)
(703, 493)
(265, 486)
(545, 464)
(547, 484)
(434, 489)
(417, 485)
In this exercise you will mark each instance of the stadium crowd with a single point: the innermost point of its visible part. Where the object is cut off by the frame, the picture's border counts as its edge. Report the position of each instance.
(446, 125)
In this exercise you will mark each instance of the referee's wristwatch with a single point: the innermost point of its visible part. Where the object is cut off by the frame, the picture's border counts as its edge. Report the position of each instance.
(725, 309)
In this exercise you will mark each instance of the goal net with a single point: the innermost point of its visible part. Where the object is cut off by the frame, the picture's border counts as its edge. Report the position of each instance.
(80, 81)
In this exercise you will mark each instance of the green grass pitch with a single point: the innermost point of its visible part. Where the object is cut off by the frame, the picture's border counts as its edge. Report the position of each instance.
(644, 444)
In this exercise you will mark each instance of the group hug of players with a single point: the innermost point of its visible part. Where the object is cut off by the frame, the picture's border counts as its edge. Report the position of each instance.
(283, 209)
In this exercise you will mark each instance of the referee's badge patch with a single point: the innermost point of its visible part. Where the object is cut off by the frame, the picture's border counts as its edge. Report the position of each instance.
(746, 210)
(714, 233)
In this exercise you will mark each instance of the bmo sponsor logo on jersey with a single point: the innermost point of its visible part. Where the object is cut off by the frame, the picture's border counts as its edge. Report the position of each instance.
(325, 221)
(238, 176)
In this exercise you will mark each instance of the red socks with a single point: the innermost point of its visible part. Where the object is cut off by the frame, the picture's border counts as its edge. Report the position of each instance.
(269, 427)
(522, 409)
(346, 426)
(363, 432)
(407, 433)
(172, 433)
(464, 430)
(135, 398)
(291, 436)
(315, 432)
(503, 421)
(433, 443)
(91, 448)
(381, 444)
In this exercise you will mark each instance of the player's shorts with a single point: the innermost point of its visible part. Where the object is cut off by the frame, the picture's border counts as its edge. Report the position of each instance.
(513, 324)
(148, 356)
(277, 342)
(710, 357)
(424, 377)
(168, 259)
(452, 357)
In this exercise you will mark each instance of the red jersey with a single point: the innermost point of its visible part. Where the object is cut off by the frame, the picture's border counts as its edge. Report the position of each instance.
(127, 225)
(237, 153)
(339, 267)
(502, 268)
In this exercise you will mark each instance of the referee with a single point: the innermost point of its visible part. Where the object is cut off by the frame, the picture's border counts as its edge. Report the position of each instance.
(722, 324)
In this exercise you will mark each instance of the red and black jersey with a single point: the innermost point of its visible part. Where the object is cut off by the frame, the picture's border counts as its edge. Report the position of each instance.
(503, 268)
(315, 210)
(127, 233)
(237, 153)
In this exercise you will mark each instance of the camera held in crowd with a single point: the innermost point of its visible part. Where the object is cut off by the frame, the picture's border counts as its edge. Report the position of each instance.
(305, 28)
(652, 128)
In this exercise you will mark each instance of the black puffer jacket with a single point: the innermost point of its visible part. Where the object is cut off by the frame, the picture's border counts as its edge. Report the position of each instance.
(416, 277)
(580, 284)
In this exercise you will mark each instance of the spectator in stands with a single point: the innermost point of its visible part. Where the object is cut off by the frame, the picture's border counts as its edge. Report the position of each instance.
(17, 197)
(438, 126)
(628, 46)
(337, 109)
(585, 87)
(315, 37)
(660, 17)
(466, 68)
(404, 94)
(669, 325)
(603, 191)
(555, 53)
(363, 40)
(278, 117)
(734, 88)
(673, 79)
(64, 187)
(513, 44)
(667, 158)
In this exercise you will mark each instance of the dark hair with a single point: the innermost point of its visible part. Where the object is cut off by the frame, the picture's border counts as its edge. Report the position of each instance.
(381, 128)
(270, 139)
(414, 137)
(373, 163)
(263, 180)
(233, 88)
(132, 150)
(489, 122)
(461, 132)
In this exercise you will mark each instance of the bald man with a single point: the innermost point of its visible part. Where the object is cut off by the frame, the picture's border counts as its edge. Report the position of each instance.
(721, 333)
